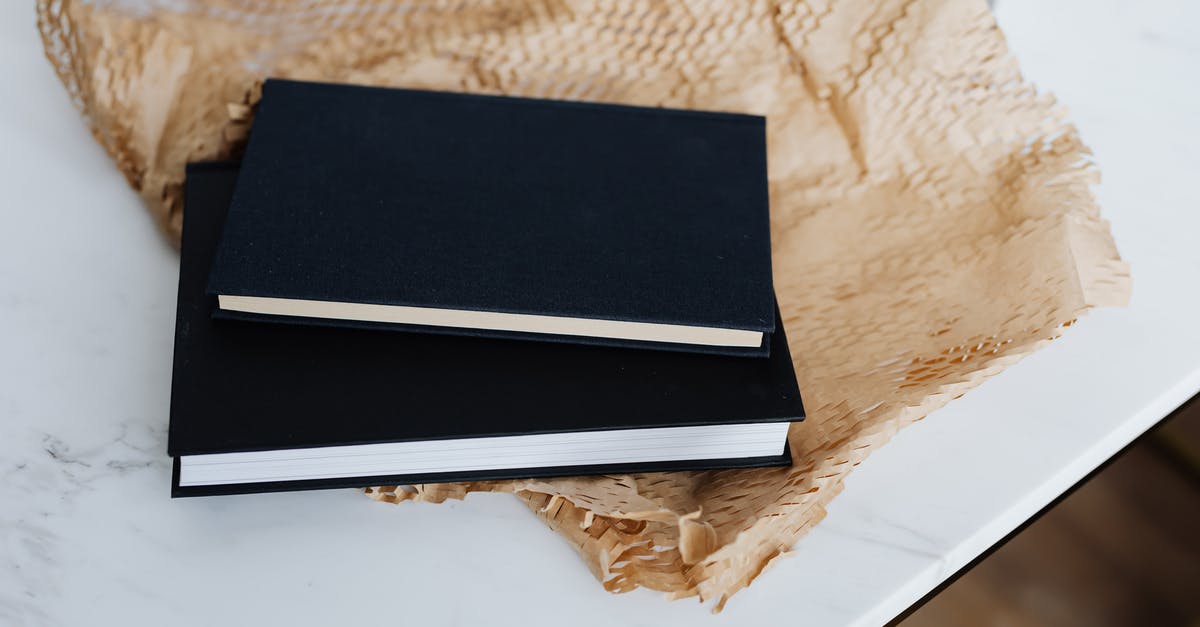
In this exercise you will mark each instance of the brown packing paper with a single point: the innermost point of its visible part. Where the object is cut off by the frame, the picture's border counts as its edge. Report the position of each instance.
(931, 212)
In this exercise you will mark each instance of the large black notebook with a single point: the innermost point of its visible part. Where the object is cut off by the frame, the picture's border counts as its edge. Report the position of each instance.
(264, 407)
(490, 215)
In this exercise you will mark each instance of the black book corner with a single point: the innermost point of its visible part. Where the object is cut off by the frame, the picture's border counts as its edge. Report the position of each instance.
(262, 407)
(503, 217)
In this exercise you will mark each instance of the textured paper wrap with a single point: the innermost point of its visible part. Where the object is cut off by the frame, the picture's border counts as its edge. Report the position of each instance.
(932, 218)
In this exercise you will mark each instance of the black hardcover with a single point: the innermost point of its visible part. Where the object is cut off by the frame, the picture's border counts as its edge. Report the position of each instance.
(485, 203)
(241, 386)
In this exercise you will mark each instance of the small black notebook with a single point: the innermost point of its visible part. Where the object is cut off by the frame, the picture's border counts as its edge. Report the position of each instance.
(490, 215)
(266, 407)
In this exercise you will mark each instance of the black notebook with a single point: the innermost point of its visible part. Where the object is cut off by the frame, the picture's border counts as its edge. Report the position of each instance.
(490, 215)
(265, 407)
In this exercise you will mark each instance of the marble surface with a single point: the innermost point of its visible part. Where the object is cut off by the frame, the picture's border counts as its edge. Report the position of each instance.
(87, 288)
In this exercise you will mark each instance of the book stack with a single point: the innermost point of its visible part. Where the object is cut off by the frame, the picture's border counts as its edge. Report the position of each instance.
(399, 286)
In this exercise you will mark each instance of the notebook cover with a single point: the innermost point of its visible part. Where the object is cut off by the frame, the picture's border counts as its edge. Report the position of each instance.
(488, 203)
(240, 386)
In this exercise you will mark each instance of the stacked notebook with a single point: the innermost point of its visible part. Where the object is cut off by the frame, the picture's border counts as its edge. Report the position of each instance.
(401, 286)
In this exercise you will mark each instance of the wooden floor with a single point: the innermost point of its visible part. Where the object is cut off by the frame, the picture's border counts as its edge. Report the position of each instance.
(1123, 549)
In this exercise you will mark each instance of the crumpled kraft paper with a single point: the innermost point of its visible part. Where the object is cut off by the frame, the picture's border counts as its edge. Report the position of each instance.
(932, 220)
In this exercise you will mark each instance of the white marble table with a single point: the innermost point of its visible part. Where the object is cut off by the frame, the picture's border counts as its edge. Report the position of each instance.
(87, 288)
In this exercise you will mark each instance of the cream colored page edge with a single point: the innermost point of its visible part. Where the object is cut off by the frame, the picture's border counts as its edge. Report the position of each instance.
(494, 321)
